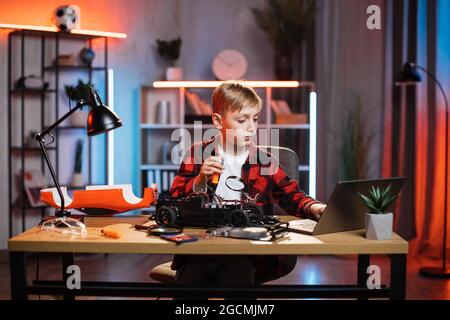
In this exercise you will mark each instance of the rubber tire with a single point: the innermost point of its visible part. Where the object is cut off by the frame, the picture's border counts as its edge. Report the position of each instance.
(166, 216)
(256, 213)
(238, 219)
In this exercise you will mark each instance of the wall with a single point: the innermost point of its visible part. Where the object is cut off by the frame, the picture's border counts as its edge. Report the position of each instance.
(206, 27)
(349, 58)
(349, 61)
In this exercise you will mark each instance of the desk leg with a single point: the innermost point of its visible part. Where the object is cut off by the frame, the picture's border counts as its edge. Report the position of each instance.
(18, 269)
(398, 276)
(363, 264)
(67, 260)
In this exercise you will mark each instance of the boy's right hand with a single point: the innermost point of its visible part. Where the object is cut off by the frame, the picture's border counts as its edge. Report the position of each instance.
(211, 165)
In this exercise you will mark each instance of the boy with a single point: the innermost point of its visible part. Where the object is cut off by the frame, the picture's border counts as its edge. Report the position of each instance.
(236, 110)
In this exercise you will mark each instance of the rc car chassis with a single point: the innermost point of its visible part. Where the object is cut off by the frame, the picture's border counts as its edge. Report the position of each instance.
(210, 210)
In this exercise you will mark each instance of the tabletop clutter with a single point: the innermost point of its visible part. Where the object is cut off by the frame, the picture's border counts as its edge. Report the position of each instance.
(242, 219)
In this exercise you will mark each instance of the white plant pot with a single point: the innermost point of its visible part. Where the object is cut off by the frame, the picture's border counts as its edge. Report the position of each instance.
(77, 180)
(379, 226)
(79, 119)
(174, 74)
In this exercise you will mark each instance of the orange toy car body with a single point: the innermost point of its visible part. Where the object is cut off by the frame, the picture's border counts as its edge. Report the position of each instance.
(108, 199)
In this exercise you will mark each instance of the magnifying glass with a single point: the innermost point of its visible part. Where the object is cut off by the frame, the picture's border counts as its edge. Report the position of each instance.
(235, 183)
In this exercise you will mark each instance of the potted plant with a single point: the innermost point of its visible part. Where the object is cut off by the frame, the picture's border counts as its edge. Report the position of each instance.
(356, 136)
(170, 51)
(78, 119)
(77, 177)
(379, 222)
(286, 24)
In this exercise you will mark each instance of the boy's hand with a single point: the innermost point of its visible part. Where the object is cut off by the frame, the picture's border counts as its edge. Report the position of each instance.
(317, 210)
(211, 165)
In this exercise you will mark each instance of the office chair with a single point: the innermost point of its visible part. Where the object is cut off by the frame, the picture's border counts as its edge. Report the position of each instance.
(288, 160)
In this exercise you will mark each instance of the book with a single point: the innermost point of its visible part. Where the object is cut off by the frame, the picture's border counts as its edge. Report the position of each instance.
(198, 106)
(172, 175)
(283, 107)
(150, 177)
(157, 173)
(274, 105)
(165, 181)
(193, 102)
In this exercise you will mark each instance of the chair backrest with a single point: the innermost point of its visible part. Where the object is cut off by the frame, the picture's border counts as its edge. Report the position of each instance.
(288, 160)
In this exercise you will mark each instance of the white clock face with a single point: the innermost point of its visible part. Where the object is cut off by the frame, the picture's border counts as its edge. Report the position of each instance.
(229, 65)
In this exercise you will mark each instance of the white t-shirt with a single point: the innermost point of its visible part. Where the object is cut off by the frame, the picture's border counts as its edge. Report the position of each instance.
(233, 166)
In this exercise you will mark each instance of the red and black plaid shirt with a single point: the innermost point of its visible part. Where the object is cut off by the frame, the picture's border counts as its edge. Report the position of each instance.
(275, 187)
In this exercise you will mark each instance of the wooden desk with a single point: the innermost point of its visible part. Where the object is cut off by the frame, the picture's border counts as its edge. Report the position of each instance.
(137, 242)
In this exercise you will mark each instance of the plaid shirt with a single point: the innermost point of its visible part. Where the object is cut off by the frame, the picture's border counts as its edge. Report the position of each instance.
(276, 187)
(266, 178)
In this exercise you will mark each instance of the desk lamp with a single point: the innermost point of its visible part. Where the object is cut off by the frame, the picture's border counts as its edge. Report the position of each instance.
(100, 119)
(410, 75)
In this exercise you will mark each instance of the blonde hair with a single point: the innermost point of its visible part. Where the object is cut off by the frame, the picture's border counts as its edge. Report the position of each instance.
(233, 95)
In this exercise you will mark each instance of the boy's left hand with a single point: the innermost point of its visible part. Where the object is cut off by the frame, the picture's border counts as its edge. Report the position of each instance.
(317, 210)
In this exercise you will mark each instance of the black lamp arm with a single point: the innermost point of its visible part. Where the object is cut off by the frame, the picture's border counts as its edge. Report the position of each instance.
(60, 120)
(437, 82)
(40, 139)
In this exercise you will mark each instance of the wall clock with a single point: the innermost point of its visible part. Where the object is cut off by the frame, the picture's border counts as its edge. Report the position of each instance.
(229, 64)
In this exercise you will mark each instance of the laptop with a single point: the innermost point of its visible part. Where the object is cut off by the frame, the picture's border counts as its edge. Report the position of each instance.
(345, 210)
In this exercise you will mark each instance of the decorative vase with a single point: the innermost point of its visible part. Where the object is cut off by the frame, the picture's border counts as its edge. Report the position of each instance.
(87, 55)
(77, 179)
(163, 112)
(174, 74)
(79, 119)
(379, 226)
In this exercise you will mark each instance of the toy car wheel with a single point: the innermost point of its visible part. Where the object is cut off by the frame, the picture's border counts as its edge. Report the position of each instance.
(165, 216)
(239, 218)
(256, 213)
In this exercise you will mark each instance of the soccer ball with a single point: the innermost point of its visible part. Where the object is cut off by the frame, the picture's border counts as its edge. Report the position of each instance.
(67, 17)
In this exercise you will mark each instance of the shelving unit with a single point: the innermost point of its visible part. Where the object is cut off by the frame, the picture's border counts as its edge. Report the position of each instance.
(154, 135)
(19, 37)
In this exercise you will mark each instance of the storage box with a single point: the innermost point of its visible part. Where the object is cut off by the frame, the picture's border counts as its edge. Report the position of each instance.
(292, 118)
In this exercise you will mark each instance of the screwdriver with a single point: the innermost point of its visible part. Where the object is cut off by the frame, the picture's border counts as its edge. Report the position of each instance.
(216, 175)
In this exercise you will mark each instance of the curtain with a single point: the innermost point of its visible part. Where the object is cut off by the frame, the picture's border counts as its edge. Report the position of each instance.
(348, 61)
(414, 117)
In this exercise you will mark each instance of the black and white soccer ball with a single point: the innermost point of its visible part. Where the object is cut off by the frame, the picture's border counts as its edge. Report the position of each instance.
(67, 17)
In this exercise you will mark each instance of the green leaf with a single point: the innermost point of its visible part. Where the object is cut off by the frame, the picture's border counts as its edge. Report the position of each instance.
(378, 193)
(369, 204)
(285, 22)
(391, 199)
(366, 199)
(386, 191)
(388, 201)
(372, 208)
(373, 193)
(378, 199)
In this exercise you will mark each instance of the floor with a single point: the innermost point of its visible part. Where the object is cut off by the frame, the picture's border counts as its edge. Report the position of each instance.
(309, 270)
